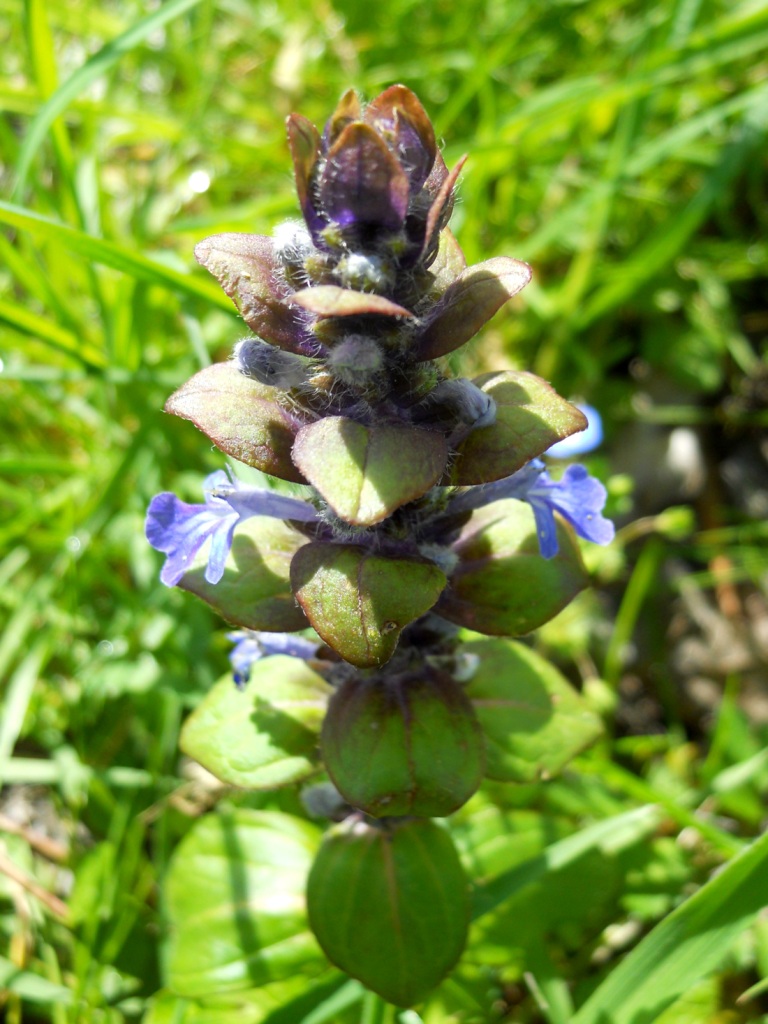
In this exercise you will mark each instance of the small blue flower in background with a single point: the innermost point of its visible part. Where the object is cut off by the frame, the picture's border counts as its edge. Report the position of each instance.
(579, 498)
(180, 530)
(583, 442)
(250, 646)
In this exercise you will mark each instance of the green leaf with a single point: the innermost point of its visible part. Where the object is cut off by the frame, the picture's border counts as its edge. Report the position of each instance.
(534, 722)
(365, 473)
(255, 590)
(389, 905)
(404, 745)
(502, 585)
(47, 330)
(235, 902)
(530, 417)
(260, 1005)
(685, 946)
(359, 602)
(469, 302)
(609, 835)
(241, 416)
(265, 735)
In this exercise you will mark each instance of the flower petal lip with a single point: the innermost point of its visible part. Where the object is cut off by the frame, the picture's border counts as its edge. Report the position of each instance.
(579, 498)
(252, 645)
(180, 530)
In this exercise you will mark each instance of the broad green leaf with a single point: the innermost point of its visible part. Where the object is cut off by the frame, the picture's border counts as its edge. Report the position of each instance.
(235, 903)
(360, 602)
(530, 417)
(365, 473)
(389, 905)
(502, 586)
(241, 416)
(533, 720)
(255, 590)
(685, 946)
(265, 735)
(407, 745)
(469, 302)
(245, 267)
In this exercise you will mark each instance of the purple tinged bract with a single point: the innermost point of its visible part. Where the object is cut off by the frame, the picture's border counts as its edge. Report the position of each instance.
(180, 530)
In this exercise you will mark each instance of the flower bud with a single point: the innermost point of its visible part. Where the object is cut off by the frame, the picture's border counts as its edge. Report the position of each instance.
(365, 273)
(270, 365)
(355, 360)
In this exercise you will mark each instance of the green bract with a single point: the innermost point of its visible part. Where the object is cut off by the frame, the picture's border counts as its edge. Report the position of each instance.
(365, 473)
(255, 590)
(533, 721)
(502, 586)
(360, 602)
(241, 417)
(530, 417)
(408, 745)
(390, 905)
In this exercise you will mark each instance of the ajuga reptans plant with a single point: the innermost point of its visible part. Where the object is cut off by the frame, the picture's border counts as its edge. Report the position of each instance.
(424, 507)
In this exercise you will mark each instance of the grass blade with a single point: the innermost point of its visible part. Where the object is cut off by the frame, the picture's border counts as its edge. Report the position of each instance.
(112, 255)
(685, 946)
(93, 68)
(619, 830)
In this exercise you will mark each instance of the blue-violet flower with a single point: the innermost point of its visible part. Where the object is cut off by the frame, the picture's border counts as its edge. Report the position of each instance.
(578, 497)
(180, 530)
(251, 645)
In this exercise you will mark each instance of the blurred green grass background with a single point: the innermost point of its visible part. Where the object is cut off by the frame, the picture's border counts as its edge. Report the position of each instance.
(620, 148)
